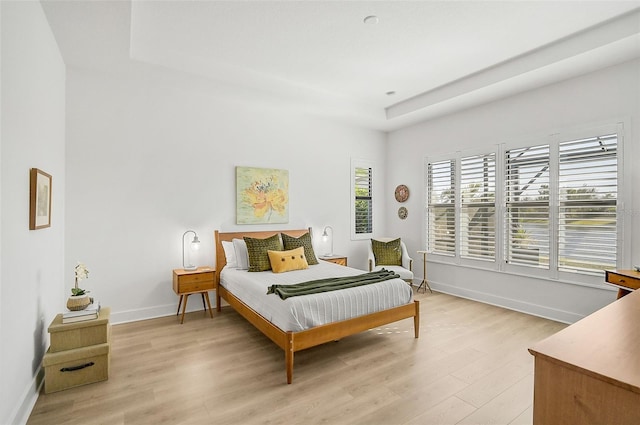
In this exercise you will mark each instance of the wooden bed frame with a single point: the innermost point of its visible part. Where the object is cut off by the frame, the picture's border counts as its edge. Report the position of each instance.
(291, 341)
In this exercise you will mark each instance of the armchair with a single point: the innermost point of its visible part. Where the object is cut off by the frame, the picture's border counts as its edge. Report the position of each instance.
(405, 270)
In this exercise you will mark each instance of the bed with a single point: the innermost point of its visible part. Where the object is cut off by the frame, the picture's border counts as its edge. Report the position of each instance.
(306, 330)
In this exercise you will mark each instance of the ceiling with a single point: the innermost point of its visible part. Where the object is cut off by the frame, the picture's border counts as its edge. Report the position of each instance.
(420, 60)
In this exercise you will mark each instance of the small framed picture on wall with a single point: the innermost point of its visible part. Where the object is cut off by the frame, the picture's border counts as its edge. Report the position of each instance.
(39, 199)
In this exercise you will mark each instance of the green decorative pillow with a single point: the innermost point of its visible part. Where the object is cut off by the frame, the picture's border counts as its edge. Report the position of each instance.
(258, 252)
(291, 242)
(387, 253)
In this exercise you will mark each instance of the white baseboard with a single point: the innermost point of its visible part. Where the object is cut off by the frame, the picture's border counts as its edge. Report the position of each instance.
(509, 303)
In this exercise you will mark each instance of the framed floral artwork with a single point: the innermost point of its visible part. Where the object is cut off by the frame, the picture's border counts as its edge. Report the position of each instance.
(39, 199)
(262, 195)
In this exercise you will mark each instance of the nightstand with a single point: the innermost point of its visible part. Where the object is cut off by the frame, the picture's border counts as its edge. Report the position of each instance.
(187, 282)
(337, 259)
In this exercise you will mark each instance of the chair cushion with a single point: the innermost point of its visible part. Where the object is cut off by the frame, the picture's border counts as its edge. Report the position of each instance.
(387, 253)
(291, 242)
(286, 261)
(257, 250)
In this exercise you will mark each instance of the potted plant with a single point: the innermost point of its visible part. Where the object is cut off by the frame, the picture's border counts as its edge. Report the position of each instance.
(79, 299)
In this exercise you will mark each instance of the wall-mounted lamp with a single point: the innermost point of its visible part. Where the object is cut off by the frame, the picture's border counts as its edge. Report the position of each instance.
(195, 245)
(325, 236)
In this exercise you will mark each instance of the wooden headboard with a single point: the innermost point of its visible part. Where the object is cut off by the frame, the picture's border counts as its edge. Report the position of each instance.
(221, 260)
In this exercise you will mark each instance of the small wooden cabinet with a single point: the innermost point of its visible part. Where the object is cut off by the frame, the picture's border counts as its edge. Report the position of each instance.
(337, 259)
(187, 282)
(625, 280)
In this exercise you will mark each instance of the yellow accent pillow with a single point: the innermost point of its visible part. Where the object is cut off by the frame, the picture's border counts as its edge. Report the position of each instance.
(286, 261)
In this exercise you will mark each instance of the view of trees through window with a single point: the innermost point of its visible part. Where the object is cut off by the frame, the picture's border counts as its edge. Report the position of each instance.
(363, 201)
(565, 218)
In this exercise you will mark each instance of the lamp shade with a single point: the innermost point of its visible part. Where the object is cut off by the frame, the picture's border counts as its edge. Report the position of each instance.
(325, 237)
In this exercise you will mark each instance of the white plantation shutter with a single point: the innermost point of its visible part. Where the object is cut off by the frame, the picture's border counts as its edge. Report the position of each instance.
(587, 216)
(478, 208)
(527, 206)
(441, 203)
(363, 200)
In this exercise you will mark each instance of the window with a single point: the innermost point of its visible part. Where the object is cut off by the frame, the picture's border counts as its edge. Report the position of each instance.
(587, 199)
(527, 206)
(478, 207)
(362, 195)
(441, 207)
(554, 214)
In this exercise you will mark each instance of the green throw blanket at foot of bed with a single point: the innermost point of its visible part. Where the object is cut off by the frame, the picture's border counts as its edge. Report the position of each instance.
(330, 284)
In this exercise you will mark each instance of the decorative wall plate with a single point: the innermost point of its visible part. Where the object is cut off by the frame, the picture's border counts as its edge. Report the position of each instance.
(402, 193)
(402, 213)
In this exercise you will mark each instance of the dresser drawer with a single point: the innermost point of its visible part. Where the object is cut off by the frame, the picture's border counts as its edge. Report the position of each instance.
(626, 281)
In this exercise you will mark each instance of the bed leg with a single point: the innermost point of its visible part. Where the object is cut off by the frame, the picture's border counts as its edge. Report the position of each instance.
(416, 320)
(288, 357)
(218, 306)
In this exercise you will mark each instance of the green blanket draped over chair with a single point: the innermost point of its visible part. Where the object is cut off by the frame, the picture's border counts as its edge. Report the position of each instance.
(330, 284)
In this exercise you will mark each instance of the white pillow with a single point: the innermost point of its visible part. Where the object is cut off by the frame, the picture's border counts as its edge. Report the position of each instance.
(230, 254)
(242, 255)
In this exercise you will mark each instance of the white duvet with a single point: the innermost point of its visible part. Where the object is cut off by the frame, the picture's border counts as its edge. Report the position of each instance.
(304, 312)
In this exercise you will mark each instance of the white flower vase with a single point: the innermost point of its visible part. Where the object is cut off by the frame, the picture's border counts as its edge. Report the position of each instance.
(78, 302)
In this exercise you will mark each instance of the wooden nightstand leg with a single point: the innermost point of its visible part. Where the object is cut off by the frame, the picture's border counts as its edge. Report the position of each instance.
(204, 306)
(179, 304)
(206, 295)
(184, 307)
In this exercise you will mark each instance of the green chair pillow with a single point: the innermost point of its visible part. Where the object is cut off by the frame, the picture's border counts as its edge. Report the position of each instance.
(387, 253)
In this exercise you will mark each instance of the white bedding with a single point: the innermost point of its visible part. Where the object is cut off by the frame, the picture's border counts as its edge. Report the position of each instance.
(304, 312)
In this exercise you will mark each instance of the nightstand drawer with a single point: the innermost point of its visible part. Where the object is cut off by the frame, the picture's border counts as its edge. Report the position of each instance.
(184, 287)
(196, 277)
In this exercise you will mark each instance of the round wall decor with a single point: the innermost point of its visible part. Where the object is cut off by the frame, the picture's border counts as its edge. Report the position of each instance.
(402, 193)
(402, 213)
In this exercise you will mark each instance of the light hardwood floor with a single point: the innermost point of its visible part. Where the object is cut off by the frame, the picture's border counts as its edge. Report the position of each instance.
(469, 366)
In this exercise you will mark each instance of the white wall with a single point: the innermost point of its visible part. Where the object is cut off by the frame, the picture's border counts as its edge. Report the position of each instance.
(603, 96)
(149, 158)
(31, 261)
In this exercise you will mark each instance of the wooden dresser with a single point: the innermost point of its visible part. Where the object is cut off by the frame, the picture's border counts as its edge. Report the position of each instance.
(589, 373)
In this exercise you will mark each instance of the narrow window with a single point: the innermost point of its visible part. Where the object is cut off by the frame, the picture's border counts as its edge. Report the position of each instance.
(478, 207)
(362, 196)
(441, 207)
(527, 206)
(587, 202)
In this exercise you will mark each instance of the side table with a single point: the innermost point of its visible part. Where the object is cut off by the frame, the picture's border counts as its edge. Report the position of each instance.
(424, 273)
(626, 281)
(337, 259)
(198, 281)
